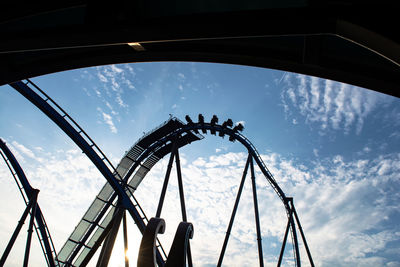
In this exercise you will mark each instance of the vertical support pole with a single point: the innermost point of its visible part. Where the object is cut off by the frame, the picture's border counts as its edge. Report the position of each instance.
(108, 244)
(228, 231)
(124, 226)
(257, 217)
(166, 179)
(284, 241)
(293, 228)
(15, 234)
(303, 236)
(182, 200)
(180, 184)
(30, 228)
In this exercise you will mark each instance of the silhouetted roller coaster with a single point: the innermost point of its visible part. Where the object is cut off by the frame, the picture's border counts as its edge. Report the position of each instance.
(101, 222)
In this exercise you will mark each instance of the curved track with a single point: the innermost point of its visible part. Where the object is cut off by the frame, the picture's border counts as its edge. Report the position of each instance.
(27, 193)
(152, 147)
(41, 100)
(117, 194)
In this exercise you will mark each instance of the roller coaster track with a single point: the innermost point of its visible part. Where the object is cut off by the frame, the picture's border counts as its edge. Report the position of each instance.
(26, 190)
(153, 146)
(117, 193)
(48, 106)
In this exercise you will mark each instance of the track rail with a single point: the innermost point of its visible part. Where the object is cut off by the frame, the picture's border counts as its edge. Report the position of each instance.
(26, 190)
(227, 131)
(48, 106)
(145, 156)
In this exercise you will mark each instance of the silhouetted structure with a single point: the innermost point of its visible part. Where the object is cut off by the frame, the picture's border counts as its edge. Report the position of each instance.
(100, 223)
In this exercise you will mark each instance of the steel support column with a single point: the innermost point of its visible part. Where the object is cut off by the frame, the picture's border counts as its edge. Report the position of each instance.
(228, 231)
(68, 129)
(166, 179)
(284, 241)
(80, 141)
(182, 200)
(294, 233)
(108, 245)
(257, 217)
(16, 232)
(124, 225)
(29, 191)
(98, 243)
(303, 236)
(30, 228)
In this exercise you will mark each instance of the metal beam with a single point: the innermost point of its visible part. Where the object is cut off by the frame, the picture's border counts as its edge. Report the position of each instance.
(166, 179)
(29, 191)
(108, 245)
(303, 236)
(124, 226)
(257, 217)
(16, 232)
(30, 228)
(58, 119)
(294, 234)
(97, 244)
(68, 129)
(228, 231)
(284, 241)
(180, 185)
(182, 200)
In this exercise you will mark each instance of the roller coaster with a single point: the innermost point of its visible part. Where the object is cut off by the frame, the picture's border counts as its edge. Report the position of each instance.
(100, 224)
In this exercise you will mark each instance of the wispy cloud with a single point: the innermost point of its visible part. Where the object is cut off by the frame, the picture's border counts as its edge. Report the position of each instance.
(115, 81)
(347, 208)
(24, 150)
(331, 105)
(68, 183)
(328, 195)
(107, 118)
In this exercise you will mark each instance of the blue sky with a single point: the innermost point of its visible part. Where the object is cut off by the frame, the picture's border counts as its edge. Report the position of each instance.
(332, 146)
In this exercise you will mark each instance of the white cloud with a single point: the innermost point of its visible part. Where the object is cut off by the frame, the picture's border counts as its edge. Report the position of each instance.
(68, 183)
(120, 102)
(367, 149)
(346, 207)
(20, 151)
(24, 150)
(115, 69)
(328, 196)
(330, 104)
(102, 78)
(115, 80)
(108, 120)
(130, 69)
